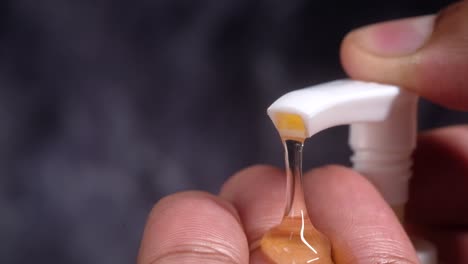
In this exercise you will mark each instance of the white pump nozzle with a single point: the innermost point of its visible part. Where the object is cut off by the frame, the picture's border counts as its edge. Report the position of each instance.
(383, 127)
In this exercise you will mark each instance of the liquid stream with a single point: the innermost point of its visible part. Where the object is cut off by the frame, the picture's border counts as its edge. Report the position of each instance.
(295, 240)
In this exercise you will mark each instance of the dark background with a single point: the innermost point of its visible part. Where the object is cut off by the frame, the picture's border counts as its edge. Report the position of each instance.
(106, 106)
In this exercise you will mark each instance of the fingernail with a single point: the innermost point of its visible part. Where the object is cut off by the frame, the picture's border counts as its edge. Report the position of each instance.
(395, 38)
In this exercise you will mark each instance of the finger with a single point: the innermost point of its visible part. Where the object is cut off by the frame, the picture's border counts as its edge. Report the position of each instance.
(428, 55)
(351, 212)
(438, 190)
(193, 227)
(342, 204)
(258, 193)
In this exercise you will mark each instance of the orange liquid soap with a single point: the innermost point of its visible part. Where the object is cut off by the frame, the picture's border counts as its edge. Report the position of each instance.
(295, 240)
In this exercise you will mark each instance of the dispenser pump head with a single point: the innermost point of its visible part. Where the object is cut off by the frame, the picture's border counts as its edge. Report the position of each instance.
(304, 112)
(383, 127)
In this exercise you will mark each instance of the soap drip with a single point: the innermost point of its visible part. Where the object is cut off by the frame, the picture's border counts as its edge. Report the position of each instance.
(295, 240)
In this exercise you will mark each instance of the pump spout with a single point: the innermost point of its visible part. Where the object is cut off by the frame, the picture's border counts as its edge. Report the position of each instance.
(382, 134)
(331, 104)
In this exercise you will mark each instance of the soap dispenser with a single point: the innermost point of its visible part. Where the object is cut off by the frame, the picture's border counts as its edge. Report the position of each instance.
(383, 131)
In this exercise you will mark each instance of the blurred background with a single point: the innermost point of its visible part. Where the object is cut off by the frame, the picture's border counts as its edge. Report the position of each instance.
(106, 106)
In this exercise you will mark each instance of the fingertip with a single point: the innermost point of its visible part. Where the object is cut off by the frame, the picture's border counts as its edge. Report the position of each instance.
(350, 211)
(173, 201)
(336, 186)
(249, 177)
(361, 64)
(193, 226)
(427, 55)
(258, 194)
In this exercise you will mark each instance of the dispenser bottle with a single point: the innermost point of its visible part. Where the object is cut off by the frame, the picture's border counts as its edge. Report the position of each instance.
(383, 132)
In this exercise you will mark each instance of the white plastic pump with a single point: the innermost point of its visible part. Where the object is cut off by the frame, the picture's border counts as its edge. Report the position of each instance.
(383, 129)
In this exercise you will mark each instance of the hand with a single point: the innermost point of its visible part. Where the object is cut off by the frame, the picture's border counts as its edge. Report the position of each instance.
(196, 227)
(429, 56)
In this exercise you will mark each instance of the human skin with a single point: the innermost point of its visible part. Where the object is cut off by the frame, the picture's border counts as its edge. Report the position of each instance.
(427, 55)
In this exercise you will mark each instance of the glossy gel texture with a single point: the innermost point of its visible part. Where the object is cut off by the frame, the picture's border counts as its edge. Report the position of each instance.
(295, 240)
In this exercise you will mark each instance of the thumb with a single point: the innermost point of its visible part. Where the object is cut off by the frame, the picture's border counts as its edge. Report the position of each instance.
(426, 54)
